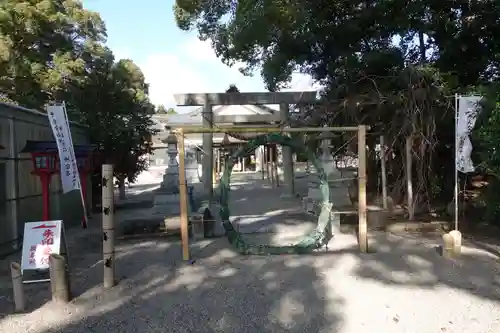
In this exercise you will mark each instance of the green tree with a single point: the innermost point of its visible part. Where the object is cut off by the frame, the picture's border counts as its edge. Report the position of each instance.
(391, 64)
(55, 50)
(41, 44)
(160, 109)
(323, 37)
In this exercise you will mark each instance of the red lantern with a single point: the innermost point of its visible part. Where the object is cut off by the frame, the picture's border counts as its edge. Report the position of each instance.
(45, 164)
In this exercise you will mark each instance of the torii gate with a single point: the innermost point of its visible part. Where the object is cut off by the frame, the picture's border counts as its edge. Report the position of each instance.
(208, 100)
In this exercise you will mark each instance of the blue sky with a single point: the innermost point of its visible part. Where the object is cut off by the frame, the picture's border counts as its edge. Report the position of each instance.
(172, 60)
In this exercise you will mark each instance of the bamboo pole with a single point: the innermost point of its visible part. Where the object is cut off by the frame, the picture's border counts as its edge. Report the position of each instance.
(17, 287)
(383, 172)
(108, 227)
(59, 279)
(183, 198)
(362, 225)
(225, 129)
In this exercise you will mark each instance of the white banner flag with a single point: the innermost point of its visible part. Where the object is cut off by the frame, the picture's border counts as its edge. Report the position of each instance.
(60, 127)
(468, 110)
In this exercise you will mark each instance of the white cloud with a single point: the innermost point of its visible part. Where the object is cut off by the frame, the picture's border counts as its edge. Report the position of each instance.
(167, 74)
(199, 50)
(194, 67)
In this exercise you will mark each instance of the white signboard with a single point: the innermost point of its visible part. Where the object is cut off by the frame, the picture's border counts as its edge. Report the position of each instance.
(41, 239)
(60, 127)
(468, 110)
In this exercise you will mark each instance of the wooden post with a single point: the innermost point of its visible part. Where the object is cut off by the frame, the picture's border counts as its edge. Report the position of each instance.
(262, 161)
(218, 162)
(17, 287)
(108, 226)
(208, 157)
(383, 172)
(270, 168)
(409, 183)
(288, 168)
(59, 279)
(275, 165)
(183, 198)
(362, 225)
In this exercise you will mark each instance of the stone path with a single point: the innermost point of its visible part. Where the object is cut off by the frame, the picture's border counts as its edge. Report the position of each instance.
(404, 287)
(258, 208)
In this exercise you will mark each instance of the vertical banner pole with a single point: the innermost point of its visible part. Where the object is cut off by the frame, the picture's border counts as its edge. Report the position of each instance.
(362, 225)
(85, 216)
(383, 172)
(457, 97)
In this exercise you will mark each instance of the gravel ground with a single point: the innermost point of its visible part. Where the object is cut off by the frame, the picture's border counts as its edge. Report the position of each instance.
(404, 287)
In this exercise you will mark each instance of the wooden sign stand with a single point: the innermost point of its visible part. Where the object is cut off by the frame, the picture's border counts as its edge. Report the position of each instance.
(41, 239)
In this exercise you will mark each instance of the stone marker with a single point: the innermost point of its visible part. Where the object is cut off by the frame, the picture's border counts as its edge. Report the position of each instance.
(457, 242)
(447, 247)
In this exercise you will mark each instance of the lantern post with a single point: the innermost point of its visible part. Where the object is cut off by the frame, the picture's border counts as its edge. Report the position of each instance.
(45, 164)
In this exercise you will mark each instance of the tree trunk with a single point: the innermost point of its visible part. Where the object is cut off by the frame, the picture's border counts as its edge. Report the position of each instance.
(121, 189)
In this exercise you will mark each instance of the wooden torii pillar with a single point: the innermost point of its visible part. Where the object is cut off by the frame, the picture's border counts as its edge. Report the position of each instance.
(208, 100)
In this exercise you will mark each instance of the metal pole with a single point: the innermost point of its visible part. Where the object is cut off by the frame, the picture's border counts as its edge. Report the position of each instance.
(84, 204)
(457, 97)
(409, 178)
(183, 198)
(362, 225)
(383, 172)
(108, 227)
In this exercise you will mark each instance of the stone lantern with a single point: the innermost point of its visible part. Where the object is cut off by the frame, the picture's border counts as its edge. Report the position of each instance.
(326, 158)
(339, 194)
(171, 177)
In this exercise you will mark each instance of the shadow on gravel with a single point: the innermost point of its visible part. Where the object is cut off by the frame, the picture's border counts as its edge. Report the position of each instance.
(221, 292)
(413, 261)
(224, 292)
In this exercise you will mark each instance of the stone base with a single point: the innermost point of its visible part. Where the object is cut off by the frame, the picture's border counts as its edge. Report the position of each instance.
(339, 196)
(376, 217)
(197, 227)
(168, 204)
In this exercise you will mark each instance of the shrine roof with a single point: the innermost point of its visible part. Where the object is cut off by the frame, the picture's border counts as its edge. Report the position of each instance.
(51, 147)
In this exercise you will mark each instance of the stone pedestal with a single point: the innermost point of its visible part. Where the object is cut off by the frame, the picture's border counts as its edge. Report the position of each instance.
(171, 179)
(338, 188)
(166, 201)
(168, 205)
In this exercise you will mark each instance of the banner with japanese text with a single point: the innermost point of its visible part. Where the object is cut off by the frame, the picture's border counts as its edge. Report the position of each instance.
(467, 113)
(68, 165)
